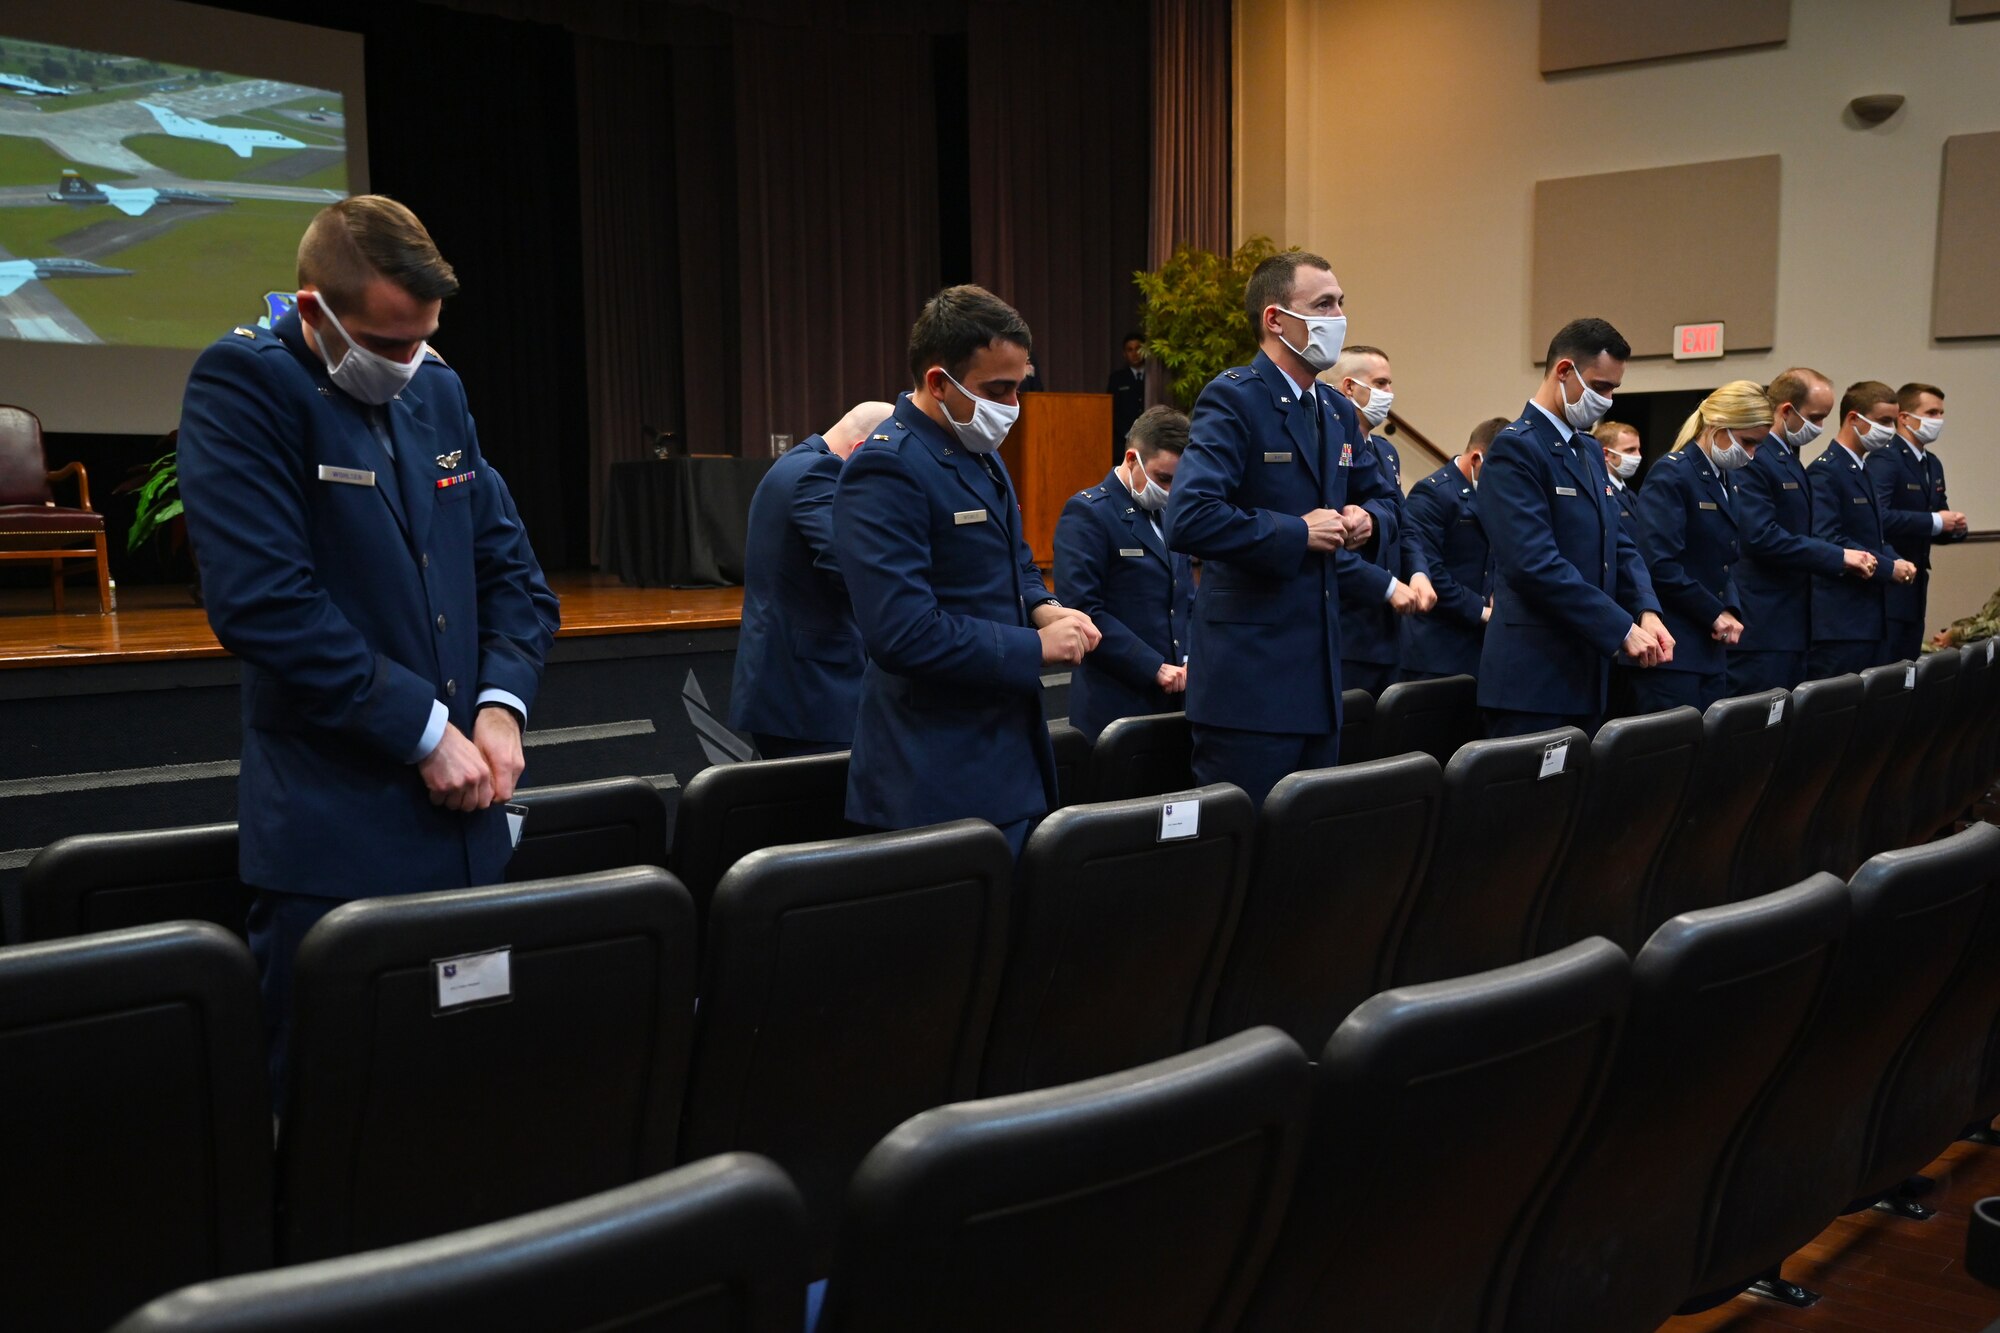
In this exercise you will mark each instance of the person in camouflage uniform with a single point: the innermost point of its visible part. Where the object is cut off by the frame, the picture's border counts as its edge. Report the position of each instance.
(1983, 624)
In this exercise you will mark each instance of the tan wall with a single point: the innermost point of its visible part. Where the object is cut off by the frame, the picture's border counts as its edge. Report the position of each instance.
(1413, 135)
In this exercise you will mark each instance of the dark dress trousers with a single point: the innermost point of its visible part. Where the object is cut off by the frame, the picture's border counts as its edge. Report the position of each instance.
(1909, 488)
(1371, 639)
(1689, 540)
(1112, 564)
(1774, 579)
(1849, 627)
(1439, 512)
(798, 657)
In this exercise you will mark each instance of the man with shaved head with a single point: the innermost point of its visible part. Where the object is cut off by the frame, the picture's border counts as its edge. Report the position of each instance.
(799, 657)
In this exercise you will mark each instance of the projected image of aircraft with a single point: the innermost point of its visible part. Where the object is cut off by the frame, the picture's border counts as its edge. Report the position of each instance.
(131, 200)
(236, 140)
(27, 87)
(16, 273)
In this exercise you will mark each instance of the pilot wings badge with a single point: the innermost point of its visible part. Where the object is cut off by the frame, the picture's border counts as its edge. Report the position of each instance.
(450, 460)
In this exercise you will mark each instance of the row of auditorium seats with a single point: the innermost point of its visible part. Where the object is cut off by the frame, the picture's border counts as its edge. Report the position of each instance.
(1582, 1141)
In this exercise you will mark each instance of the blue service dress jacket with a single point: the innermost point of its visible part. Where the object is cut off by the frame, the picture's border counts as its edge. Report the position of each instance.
(1440, 514)
(1774, 578)
(798, 656)
(1908, 490)
(357, 590)
(942, 583)
(1369, 630)
(1266, 646)
(1687, 534)
(1844, 515)
(1568, 583)
(1113, 565)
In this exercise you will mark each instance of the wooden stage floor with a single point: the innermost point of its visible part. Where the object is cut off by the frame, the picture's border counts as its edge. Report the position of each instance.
(164, 624)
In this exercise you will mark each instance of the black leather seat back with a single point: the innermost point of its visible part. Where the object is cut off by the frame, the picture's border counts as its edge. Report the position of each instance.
(1719, 998)
(1838, 839)
(1741, 738)
(1435, 717)
(406, 1119)
(135, 1125)
(1777, 847)
(1118, 937)
(718, 1245)
(1442, 1114)
(1969, 774)
(582, 827)
(1357, 726)
(1943, 795)
(1340, 853)
(1891, 820)
(110, 881)
(1072, 752)
(1509, 809)
(1146, 1199)
(847, 986)
(1932, 1090)
(1142, 756)
(727, 811)
(1805, 1145)
(1640, 768)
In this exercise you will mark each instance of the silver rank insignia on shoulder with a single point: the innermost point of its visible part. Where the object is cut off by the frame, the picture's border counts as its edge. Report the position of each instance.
(450, 460)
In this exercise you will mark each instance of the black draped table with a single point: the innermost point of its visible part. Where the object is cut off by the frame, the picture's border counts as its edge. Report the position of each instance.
(680, 522)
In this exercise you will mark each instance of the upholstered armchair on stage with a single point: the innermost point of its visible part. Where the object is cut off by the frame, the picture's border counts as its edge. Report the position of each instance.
(32, 525)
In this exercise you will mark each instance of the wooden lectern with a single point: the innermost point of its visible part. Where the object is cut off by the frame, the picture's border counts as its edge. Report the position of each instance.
(1059, 445)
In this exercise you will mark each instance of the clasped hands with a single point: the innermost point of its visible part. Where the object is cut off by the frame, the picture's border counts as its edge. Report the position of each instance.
(469, 775)
(1648, 643)
(1332, 529)
(1067, 634)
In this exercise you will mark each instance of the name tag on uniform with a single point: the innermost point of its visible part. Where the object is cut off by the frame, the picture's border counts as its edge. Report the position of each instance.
(347, 476)
(1861, 499)
(1704, 504)
(964, 516)
(1790, 485)
(1277, 458)
(1912, 486)
(1132, 550)
(1565, 490)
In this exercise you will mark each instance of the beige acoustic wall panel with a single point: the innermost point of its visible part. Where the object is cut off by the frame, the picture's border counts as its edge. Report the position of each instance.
(1586, 34)
(1975, 9)
(1651, 249)
(1966, 300)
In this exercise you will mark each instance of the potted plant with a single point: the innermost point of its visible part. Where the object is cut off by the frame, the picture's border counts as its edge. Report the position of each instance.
(1192, 314)
(156, 491)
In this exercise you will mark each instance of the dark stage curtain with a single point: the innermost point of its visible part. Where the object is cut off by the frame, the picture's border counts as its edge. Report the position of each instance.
(1061, 155)
(1191, 145)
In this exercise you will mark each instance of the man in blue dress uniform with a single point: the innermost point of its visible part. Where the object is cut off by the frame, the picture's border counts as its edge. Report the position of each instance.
(1446, 642)
(1849, 624)
(797, 680)
(1570, 593)
(953, 612)
(1269, 498)
(1113, 565)
(366, 565)
(1909, 492)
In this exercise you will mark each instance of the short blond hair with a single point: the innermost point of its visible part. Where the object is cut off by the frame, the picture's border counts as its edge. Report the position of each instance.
(1737, 405)
(351, 243)
(1605, 432)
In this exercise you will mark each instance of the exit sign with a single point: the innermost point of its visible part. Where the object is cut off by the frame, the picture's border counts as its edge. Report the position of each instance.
(1695, 342)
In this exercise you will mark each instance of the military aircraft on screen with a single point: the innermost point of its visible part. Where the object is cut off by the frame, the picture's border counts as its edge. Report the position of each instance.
(15, 273)
(131, 200)
(237, 141)
(27, 87)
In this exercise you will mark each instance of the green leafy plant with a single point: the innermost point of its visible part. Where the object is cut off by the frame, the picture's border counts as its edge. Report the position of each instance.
(1192, 314)
(159, 500)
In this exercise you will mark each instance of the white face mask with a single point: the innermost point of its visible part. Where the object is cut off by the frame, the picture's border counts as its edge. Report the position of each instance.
(365, 376)
(1588, 409)
(990, 420)
(1806, 433)
(1927, 430)
(1875, 435)
(1325, 336)
(1379, 403)
(1149, 495)
(1735, 456)
(1623, 464)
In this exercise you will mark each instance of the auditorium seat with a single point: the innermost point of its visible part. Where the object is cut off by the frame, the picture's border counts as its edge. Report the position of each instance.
(1509, 809)
(1146, 1199)
(108, 881)
(1972, 771)
(1432, 716)
(582, 827)
(1776, 849)
(719, 1244)
(1072, 751)
(560, 1073)
(1339, 853)
(1357, 726)
(135, 1125)
(1142, 756)
(1941, 792)
(1441, 1114)
(1901, 784)
(1838, 839)
(1933, 1086)
(1118, 936)
(1740, 741)
(1805, 1146)
(1719, 999)
(847, 985)
(1639, 773)
(727, 811)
